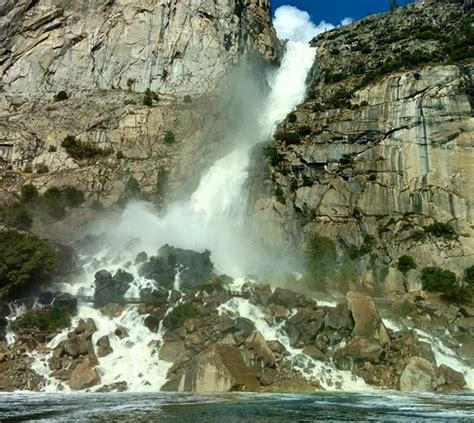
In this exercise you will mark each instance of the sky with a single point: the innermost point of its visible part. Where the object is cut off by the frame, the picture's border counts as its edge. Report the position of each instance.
(334, 11)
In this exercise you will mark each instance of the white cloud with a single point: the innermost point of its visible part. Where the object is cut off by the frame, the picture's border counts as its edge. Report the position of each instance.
(294, 24)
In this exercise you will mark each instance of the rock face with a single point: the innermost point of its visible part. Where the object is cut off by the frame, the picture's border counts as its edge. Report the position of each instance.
(381, 149)
(167, 46)
(221, 368)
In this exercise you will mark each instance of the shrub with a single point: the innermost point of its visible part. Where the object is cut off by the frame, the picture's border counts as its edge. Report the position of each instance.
(26, 261)
(469, 276)
(130, 83)
(52, 149)
(119, 155)
(304, 130)
(169, 137)
(61, 96)
(28, 168)
(406, 263)
(147, 98)
(287, 137)
(280, 195)
(176, 318)
(82, 150)
(435, 279)
(49, 319)
(366, 247)
(41, 168)
(29, 193)
(292, 118)
(365, 103)
(441, 230)
(72, 196)
(17, 216)
(51, 203)
(273, 156)
(187, 99)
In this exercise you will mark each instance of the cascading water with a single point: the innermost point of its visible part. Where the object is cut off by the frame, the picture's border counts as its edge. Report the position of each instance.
(211, 219)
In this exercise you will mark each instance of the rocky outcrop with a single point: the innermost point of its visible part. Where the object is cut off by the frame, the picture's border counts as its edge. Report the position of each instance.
(418, 375)
(167, 46)
(379, 151)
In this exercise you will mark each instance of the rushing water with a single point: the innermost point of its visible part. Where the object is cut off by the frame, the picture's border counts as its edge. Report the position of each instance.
(230, 408)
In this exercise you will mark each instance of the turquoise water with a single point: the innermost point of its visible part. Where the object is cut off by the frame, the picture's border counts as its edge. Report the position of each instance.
(230, 408)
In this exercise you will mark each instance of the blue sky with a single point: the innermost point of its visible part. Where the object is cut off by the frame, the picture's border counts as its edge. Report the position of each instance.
(335, 10)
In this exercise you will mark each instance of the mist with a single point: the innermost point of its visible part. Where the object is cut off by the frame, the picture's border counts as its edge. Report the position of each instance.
(213, 217)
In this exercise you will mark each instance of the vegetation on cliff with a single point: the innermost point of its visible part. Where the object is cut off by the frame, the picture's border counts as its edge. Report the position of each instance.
(25, 262)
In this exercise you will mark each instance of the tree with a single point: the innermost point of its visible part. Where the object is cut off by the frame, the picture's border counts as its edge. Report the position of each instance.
(393, 5)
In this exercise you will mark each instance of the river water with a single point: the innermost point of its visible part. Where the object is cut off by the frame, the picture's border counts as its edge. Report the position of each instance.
(160, 407)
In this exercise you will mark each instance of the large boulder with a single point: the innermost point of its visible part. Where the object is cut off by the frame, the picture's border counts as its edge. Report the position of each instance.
(368, 322)
(65, 301)
(304, 326)
(260, 351)
(110, 289)
(450, 379)
(194, 268)
(339, 318)
(358, 351)
(84, 375)
(220, 368)
(418, 375)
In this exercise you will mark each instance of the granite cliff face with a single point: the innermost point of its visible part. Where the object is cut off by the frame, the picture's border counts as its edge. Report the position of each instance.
(179, 47)
(381, 150)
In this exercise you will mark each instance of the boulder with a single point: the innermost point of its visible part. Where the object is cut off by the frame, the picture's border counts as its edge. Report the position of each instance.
(358, 351)
(110, 289)
(76, 346)
(84, 375)
(304, 326)
(141, 257)
(65, 301)
(158, 295)
(121, 332)
(394, 281)
(450, 378)
(339, 318)
(173, 352)
(152, 323)
(104, 348)
(240, 326)
(284, 297)
(368, 322)
(260, 349)
(220, 368)
(46, 298)
(418, 375)
(313, 351)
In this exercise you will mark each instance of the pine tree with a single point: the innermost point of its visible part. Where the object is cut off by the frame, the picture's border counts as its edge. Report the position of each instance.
(393, 5)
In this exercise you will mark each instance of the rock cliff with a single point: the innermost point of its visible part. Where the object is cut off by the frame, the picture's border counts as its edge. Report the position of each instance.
(179, 47)
(379, 157)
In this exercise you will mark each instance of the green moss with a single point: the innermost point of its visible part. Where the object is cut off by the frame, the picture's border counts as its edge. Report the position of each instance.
(176, 318)
(25, 261)
(49, 319)
(406, 263)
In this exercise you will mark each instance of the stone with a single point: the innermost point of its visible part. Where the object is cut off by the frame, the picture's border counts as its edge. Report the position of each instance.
(110, 289)
(418, 375)
(394, 281)
(152, 323)
(76, 346)
(260, 349)
(413, 281)
(104, 348)
(279, 312)
(284, 297)
(368, 322)
(141, 257)
(339, 318)
(121, 332)
(358, 351)
(173, 351)
(449, 376)
(240, 326)
(46, 298)
(220, 368)
(314, 352)
(84, 376)
(304, 326)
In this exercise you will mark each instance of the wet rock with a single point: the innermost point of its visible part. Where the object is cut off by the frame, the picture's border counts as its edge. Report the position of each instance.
(65, 301)
(141, 257)
(467, 350)
(257, 293)
(368, 322)
(152, 323)
(450, 379)
(260, 349)
(279, 312)
(86, 326)
(173, 351)
(110, 289)
(276, 346)
(339, 317)
(240, 326)
(313, 351)
(76, 346)
(112, 310)
(104, 348)
(284, 297)
(46, 298)
(114, 387)
(424, 350)
(121, 332)
(304, 326)
(195, 268)
(418, 375)
(358, 351)
(84, 375)
(466, 325)
(220, 368)
(157, 295)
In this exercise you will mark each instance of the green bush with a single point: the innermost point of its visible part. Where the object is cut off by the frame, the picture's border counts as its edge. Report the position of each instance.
(304, 130)
(287, 137)
(271, 153)
(280, 195)
(187, 99)
(29, 193)
(51, 203)
(52, 149)
(169, 137)
(176, 318)
(49, 319)
(82, 150)
(17, 216)
(292, 118)
(435, 279)
(25, 261)
(469, 276)
(405, 264)
(147, 98)
(61, 96)
(41, 168)
(441, 230)
(72, 196)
